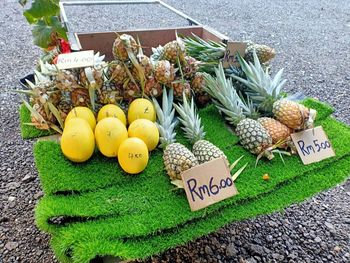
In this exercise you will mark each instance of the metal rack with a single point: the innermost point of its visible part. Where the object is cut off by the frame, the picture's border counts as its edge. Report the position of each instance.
(74, 40)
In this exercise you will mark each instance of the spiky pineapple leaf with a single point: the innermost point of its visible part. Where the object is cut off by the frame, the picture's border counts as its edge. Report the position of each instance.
(41, 9)
(55, 113)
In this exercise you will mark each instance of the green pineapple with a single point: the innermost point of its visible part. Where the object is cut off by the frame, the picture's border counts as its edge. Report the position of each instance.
(177, 158)
(194, 132)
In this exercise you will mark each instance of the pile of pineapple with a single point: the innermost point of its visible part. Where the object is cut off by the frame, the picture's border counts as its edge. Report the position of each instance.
(187, 71)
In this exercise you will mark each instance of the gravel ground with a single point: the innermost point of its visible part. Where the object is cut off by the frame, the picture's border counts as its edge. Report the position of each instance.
(312, 39)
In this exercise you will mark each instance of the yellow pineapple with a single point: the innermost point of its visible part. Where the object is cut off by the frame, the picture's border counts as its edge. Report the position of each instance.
(293, 114)
(164, 72)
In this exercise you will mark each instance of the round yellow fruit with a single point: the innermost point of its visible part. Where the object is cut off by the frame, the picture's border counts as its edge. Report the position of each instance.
(76, 122)
(141, 109)
(145, 130)
(111, 110)
(78, 142)
(133, 155)
(110, 133)
(84, 113)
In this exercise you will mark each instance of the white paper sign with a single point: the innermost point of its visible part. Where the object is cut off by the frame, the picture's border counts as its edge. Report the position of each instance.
(313, 145)
(79, 59)
(230, 56)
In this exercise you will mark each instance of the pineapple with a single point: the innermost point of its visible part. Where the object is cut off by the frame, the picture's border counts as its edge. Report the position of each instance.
(180, 87)
(173, 51)
(80, 97)
(91, 76)
(194, 132)
(164, 72)
(67, 80)
(278, 131)
(293, 114)
(226, 99)
(120, 46)
(152, 87)
(263, 52)
(177, 158)
(131, 91)
(254, 137)
(198, 83)
(117, 72)
(64, 107)
(110, 93)
(260, 87)
(190, 68)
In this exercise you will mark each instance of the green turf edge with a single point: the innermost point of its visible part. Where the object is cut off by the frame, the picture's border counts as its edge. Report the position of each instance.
(98, 202)
(28, 131)
(293, 192)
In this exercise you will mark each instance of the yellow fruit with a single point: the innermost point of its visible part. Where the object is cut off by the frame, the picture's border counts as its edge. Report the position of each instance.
(78, 142)
(141, 109)
(111, 110)
(145, 130)
(133, 155)
(110, 133)
(84, 113)
(76, 122)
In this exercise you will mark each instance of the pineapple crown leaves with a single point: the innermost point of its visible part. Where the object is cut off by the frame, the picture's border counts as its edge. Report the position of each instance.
(226, 98)
(190, 120)
(263, 90)
(165, 118)
(206, 51)
(126, 39)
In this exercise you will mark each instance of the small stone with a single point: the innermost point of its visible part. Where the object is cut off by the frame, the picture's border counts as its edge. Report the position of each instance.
(39, 252)
(11, 245)
(231, 250)
(27, 178)
(208, 250)
(256, 249)
(337, 249)
(11, 198)
(318, 239)
(251, 260)
(13, 185)
(329, 225)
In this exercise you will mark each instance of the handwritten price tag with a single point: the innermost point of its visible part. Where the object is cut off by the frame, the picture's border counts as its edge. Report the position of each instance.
(79, 59)
(313, 145)
(230, 57)
(208, 183)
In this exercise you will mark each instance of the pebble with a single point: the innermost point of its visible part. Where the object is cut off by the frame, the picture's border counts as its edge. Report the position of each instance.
(27, 178)
(11, 245)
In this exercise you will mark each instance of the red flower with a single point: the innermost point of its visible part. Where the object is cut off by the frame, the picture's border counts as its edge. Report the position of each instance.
(65, 46)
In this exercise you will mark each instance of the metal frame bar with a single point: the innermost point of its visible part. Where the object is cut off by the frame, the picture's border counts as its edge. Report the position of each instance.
(74, 40)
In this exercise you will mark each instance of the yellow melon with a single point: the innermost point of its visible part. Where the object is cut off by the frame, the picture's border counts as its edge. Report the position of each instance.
(110, 133)
(145, 130)
(84, 113)
(141, 109)
(133, 155)
(77, 141)
(111, 110)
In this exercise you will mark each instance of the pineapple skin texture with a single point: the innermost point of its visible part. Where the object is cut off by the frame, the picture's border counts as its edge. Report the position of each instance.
(277, 130)
(206, 151)
(177, 158)
(164, 72)
(172, 51)
(253, 136)
(290, 113)
(264, 53)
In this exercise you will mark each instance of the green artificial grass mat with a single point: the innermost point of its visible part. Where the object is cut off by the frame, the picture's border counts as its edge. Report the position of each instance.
(92, 245)
(101, 172)
(115, 202)
(28, 131)
(96, 200)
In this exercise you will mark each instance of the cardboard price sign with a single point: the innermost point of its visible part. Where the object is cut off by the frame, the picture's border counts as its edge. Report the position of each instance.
(79, 59)
(313, 145)
(208, 183)
(230, 57)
